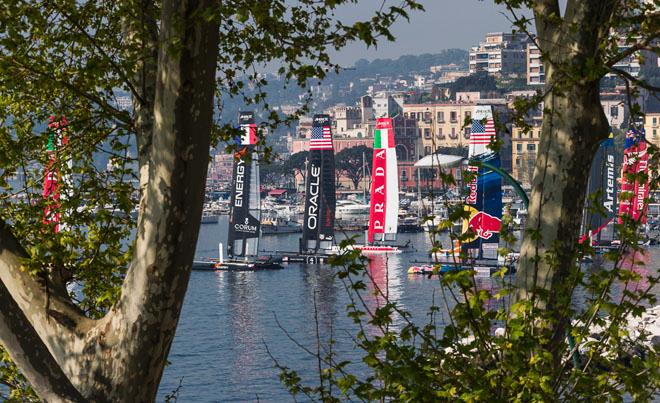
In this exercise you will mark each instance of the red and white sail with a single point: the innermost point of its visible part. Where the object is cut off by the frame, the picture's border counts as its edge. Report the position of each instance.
(635, 192)
(384, 206)
(52, 178)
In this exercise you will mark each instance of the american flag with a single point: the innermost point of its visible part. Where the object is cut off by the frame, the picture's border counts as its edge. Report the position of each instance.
(482, 134)
(321, 138)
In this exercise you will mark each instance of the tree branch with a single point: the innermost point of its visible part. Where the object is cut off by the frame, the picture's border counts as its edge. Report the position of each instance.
(631, 50)
(28, 350)
(51, 313)
(629, 77)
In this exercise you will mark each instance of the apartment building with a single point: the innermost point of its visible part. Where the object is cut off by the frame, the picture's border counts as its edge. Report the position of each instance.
(535, 69)
(387, 104)
(524, 148)
(499, 53)
(652, 121)
(440, 125)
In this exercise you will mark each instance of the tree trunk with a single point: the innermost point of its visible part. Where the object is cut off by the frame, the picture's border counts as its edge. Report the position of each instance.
(573, 125)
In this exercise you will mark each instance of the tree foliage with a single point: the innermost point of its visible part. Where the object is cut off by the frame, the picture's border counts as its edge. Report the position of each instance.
(353, 162)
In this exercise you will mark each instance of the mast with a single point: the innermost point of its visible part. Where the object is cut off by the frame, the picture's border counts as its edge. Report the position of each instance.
(384, 203)
(320, 198)
(484, 200)
(244, 216)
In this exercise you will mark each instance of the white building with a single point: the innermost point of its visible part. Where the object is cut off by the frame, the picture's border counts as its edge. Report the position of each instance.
(500, 53)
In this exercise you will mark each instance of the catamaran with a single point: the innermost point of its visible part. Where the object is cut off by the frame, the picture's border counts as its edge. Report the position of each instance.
(384, 202)
(483, 203)
(635, 161)
(245, 207)
(600, 208)
(57, 137)
(318, 229)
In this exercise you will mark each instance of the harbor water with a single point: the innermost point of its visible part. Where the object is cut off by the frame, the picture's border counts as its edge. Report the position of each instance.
(235, 325)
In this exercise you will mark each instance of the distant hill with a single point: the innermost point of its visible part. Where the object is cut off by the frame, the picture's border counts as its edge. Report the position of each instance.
(405, 66)
(408, 64)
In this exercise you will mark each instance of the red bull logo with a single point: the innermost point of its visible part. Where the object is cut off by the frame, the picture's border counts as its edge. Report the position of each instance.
(482, 224)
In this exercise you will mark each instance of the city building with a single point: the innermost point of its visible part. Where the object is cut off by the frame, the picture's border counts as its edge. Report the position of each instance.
(500, 54)
(652, 120)
(345, 119)
(524, 146)
(440, 125)
(535, 69)
(387, 104)
(407, 153)
(536, 72)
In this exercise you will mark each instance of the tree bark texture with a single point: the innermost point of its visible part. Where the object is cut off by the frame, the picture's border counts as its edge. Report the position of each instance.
(573, 126)
(121, 357)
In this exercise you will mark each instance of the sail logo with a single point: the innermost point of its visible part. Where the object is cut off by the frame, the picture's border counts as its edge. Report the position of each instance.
(472, 186)
(321, 120)
(240, 174)
(609, 190)
(482, 224)
(314, 187)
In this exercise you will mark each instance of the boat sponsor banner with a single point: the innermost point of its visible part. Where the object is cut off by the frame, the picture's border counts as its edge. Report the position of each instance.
(484, 198)
(244, 217)
(634, 191)
(599, 218)
(384, 204)
(377, 207)
(320, 199)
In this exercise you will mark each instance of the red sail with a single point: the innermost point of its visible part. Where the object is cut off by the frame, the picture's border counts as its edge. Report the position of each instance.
(51, 191)
(635, 161)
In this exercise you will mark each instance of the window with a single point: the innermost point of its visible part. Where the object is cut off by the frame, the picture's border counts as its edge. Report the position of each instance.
(519, 147)
(520, 134)
(440, 135)
(655, 133)
(452, 116)
(427, 133)
(614, 111)
(468, 114)
(427, 150)
(531, 147)
(441, 117)
(518, 162)
(428, 116)
(405, 115)
(655, 121)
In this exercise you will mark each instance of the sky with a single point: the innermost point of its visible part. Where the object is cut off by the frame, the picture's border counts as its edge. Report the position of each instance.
(445, 24)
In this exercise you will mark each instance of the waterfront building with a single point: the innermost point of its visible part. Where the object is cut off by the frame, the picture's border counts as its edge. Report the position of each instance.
(407, 152)
(440, 124)
(524, 147)
(499, 54)
(652, 120)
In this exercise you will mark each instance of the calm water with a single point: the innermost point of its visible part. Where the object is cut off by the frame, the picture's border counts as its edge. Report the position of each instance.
(231, 320)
